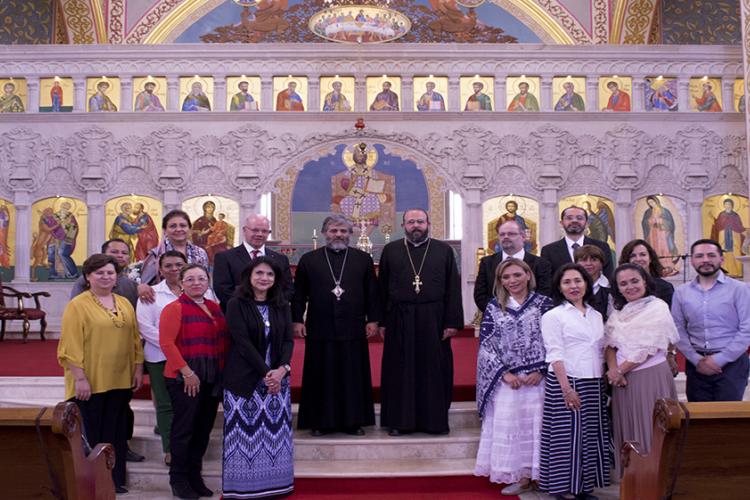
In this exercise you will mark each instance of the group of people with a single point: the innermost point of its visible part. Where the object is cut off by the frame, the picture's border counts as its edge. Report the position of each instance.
(228, 338)
(564, 333)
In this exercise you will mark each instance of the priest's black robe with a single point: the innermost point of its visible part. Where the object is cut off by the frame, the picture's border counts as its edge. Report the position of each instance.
(336, 381)
(417, 374)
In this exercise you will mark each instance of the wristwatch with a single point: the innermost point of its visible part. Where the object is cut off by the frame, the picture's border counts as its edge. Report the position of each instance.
(287, 368)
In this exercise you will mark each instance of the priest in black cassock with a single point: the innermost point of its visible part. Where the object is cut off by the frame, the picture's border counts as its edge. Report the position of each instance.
(338, 287)
(421, 293)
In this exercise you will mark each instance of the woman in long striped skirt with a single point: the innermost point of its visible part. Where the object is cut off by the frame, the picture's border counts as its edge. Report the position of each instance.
(258, 460)
(575, 448)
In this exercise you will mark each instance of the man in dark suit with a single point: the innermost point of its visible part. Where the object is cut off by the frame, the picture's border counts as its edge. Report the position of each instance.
(228, 265)
(511, 237)
(573, 221)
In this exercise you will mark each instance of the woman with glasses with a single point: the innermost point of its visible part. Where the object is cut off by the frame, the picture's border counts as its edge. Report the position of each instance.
(193, 336)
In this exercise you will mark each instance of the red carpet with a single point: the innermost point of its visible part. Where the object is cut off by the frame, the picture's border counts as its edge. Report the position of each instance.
(39, 359)
(443, 488)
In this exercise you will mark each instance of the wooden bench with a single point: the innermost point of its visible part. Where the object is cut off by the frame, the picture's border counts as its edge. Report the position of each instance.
(698, 451)
(42, 456)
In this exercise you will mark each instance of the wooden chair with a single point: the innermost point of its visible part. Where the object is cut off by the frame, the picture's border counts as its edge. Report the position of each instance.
(42, 456)
(20, 312)
(698, 451)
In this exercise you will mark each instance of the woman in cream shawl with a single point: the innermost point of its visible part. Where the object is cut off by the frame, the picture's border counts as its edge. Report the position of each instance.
(638, 335)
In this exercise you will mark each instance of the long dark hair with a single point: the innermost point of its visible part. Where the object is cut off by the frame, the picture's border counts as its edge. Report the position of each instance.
(275, 295)
(557, 295)
(617, 295)
(654, 266)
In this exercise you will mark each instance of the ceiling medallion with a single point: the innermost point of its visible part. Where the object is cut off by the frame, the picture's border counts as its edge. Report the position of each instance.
(359, 21)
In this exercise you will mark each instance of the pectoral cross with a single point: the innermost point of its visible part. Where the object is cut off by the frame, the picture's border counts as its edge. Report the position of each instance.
(417, 283)
(338, 291)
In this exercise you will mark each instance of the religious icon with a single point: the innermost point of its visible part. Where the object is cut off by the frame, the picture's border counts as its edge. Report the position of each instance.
(383, 93)
(13, 96)
(243, 93)
(364, 24)
(569, 93)
(197, 91)
(616, 92)
(525, 211)
(477, 93)
(151, 95)
(337, 93)
(522, 93)
(363, 193)
(601, 216)
(59, 238)
(705, 94)
(291, 92)
(739, 95)
(134, 219)
(660, 94)
(435, 95)
(658, 220)
(102, 94)
(215, 221)
(7, 239)
(725, 220)
(55, 95)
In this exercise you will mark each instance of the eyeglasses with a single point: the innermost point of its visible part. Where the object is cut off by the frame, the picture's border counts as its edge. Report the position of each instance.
(510, 235)
(199, 279)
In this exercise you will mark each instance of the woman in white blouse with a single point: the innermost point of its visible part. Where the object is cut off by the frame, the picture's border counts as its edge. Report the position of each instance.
(638, 335)
(575, 456)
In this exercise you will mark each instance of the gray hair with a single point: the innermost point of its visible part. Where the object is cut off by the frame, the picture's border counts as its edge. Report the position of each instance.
(338, 220)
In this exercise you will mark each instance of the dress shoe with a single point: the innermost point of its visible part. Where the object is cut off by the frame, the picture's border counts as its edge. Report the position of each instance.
(355, 431)
(121, 490)
(132, 456)
(181, 489)
(317, 433)
(586, 496)
(395, 432)
(198, 486)
(157, 431)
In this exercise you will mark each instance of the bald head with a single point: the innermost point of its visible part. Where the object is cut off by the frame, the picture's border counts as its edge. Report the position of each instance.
(256, 230)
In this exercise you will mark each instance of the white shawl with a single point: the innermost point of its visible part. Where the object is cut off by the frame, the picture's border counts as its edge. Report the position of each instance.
(641, 329)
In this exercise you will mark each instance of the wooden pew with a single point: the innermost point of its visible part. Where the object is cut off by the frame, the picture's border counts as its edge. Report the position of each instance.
(698, 451)
(42, 456)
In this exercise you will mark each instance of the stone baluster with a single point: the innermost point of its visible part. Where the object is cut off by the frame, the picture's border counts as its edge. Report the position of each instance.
(454, 93)
(471, 240)
(407, 93)
(267, 99)
(79, 91)
(547, 103)
(683, 93)
(727, 94)
(313, 93)
(220, 92)
(549, 229)
(592, 94)
(638, 93)
(96, 231)
(173, 93)
(623, 218)
(360, 93)
(22, 250)
(126, 93)
(500, 103)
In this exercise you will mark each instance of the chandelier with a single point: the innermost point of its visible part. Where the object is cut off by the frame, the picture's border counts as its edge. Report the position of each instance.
(359, 21)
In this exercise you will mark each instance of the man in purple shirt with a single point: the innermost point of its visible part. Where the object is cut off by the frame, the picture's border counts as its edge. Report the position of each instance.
(712, 314)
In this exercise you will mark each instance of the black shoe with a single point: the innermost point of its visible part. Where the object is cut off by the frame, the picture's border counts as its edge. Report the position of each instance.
(317, 433)
(182, 489)
(395, 432)
(120, 490)
(586, 496)
(439, 433)
(132, 456)
(197, 484)
(355, 431)
(157, 431)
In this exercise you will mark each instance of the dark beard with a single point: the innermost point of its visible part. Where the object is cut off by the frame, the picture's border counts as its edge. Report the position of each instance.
(417, 239)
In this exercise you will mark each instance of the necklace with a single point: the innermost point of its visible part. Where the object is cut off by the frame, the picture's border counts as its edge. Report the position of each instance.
(116, 318)
(337, 290)
(417, 280)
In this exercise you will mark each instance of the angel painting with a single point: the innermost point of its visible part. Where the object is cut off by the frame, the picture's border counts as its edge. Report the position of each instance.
(601, 222)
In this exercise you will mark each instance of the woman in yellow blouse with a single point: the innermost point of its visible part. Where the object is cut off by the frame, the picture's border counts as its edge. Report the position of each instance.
(101, 352)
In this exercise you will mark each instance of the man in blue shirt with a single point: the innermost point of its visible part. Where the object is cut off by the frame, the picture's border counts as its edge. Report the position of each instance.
(712, 314)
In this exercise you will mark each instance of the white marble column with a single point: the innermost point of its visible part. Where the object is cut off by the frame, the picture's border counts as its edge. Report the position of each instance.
(249, 198)
(173, 93)
(267, 99)
(79, 91)
(471, 241)
(683, 93)
(546, 93)
(96, 230)
(623, 218)
(22, 250)
(501, 101)
(694, 222)
(727, 94)
(313, 93)
(32, 89)
(360, 93)
(407, 93)
(220, 92)
(549, 225)
(639, 92)
(592, 93)
(126, 93)
(454, 93)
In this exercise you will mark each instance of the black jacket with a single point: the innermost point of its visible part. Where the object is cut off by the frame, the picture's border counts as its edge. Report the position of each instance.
(486, 277)
(557, 255)
(245, 363)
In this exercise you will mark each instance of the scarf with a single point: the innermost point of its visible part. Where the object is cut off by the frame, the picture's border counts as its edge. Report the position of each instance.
(509, 341)
(202, 339)
(641, 328)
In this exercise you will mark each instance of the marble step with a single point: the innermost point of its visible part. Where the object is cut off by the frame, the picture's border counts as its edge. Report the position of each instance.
(375, 444)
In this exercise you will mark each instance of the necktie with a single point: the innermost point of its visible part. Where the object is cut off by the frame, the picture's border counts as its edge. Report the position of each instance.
(256, 253)
(575, 246)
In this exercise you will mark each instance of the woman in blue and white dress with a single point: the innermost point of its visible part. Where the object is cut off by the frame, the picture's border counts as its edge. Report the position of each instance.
(510, 369)
(258, 458)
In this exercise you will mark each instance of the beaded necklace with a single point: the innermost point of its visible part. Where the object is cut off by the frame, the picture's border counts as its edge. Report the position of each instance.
(114, 315)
